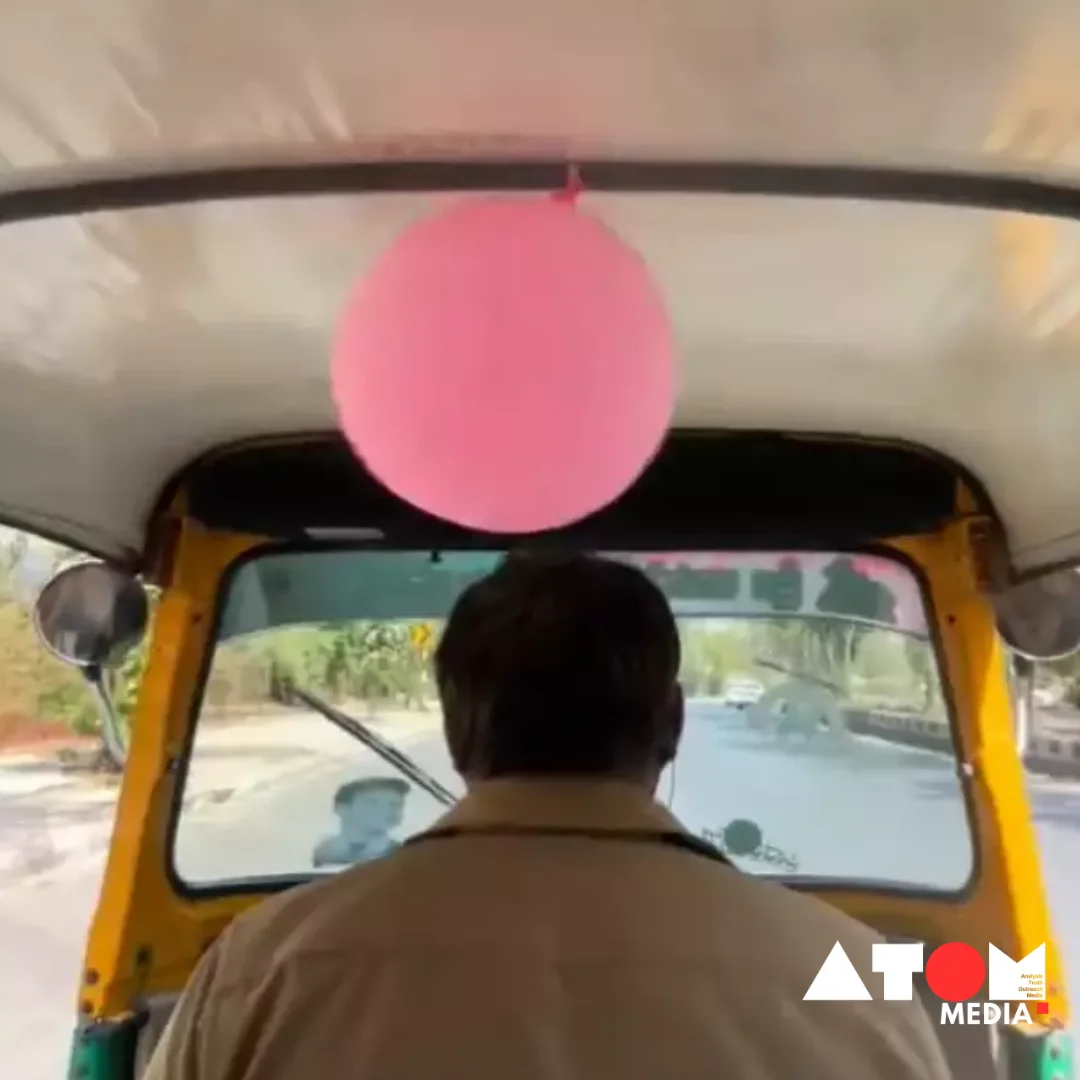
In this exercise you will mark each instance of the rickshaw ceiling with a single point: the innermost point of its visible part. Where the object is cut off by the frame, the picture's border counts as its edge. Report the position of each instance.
(134, 340)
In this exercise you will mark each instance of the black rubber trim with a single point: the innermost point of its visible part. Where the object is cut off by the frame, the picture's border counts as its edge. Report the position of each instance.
(55, 192)
(754, 489)
(677, 841)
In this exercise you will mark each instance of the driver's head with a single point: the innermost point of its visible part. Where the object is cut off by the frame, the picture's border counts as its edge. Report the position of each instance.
(561, 665)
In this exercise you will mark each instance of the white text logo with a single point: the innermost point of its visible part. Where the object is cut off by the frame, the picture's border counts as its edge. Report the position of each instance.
(954, 972)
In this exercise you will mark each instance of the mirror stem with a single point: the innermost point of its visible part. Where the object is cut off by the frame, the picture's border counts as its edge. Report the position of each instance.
(111, 739)
(1024, 706)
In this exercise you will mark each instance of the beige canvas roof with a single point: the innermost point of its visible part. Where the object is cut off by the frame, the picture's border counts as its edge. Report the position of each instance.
(132, 340)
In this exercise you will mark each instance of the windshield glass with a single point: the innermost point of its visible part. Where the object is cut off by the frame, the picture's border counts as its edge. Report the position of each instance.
(817, 742)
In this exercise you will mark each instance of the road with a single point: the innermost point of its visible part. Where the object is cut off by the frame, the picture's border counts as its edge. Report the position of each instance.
(855, 808)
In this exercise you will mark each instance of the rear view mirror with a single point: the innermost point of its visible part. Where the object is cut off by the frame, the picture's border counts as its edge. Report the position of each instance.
(1040, 619)
(91, 614)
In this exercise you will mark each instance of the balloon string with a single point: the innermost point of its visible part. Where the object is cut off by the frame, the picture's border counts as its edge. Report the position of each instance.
(573, 188)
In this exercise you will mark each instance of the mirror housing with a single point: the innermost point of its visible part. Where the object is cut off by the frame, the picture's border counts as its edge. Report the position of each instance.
(91, 614)
(1040, 619)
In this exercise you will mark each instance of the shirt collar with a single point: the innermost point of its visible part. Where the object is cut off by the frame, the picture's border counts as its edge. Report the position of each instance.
(560, 804)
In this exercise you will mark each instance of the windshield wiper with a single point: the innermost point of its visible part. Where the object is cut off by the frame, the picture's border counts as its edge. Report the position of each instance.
(359, 730)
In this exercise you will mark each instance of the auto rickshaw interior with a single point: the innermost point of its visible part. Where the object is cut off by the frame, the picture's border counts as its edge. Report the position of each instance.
(748, 532)
(861, 219)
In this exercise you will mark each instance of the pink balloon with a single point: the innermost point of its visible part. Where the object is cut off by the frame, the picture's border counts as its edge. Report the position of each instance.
(506, 365)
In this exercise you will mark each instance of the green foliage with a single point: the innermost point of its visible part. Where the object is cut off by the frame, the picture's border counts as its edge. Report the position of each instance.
(368, 661)
(825, 648)
(382, 663)
(865, 664)
(70, 703)
(711, 655)
(1068, 671)
(124, 682)
(375, 662)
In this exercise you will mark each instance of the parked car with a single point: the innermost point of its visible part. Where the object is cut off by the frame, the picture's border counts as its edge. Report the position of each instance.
(742, 693)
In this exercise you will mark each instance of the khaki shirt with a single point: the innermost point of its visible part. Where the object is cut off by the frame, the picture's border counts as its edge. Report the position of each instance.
(520, 958)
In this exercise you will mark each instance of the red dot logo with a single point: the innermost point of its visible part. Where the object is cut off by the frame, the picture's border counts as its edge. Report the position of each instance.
(955, 972)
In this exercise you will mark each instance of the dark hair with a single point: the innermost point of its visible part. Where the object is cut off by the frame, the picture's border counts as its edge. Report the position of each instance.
(355, 788)
(559, 664)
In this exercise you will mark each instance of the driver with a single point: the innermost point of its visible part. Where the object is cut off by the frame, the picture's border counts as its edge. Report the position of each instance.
(558, 922)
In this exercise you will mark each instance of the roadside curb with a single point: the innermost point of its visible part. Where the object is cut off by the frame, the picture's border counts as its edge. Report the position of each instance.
(1049, 756)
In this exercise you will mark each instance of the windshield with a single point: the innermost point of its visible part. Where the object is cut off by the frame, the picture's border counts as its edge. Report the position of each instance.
(817, 742)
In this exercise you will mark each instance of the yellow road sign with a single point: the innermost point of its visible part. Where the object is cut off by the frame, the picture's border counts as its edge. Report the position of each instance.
(421, 636)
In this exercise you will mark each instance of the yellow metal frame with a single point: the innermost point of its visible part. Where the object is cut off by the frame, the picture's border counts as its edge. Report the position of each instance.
(145, 938)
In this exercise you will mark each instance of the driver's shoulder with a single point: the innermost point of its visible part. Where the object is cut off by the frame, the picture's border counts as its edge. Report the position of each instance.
(305, 918)
(789, 927)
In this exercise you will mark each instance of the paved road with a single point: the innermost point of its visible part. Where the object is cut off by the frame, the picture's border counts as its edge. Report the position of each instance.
(917, 835)
(854, 808)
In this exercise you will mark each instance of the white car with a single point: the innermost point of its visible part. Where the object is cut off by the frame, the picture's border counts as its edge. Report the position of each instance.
(742, 693)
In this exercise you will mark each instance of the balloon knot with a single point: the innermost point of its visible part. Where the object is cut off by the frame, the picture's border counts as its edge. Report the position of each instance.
(573, 188)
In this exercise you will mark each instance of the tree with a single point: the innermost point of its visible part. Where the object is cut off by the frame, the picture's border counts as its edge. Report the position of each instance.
(370, 661)
(920, 659)
(818, 648)
(13, 547)
(710, 656)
